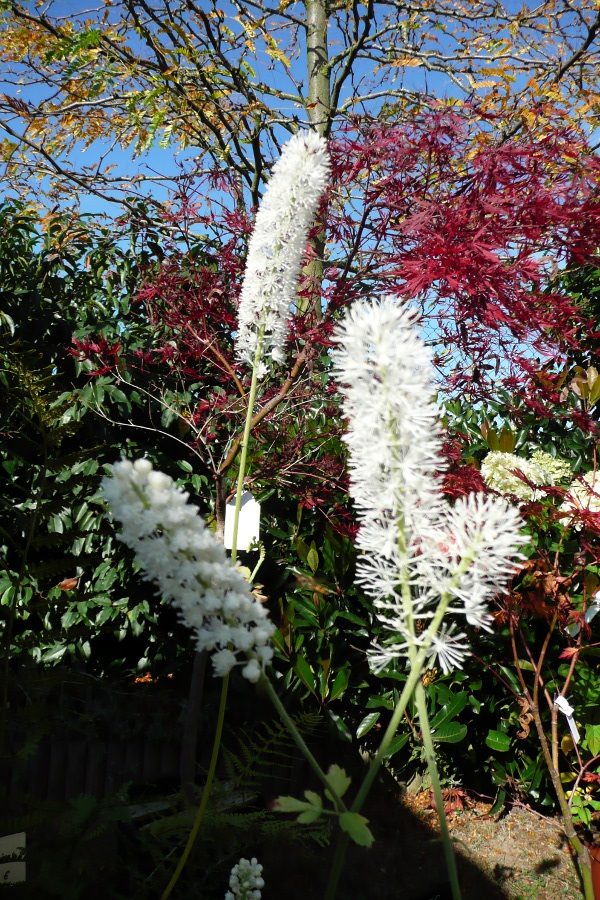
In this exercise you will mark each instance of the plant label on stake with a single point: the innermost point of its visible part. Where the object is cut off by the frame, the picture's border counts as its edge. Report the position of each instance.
(566, 708)
(12, 857)
(248, 525)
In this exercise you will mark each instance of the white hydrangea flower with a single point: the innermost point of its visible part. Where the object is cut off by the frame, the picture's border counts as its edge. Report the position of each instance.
(500, 472)
(555, 470)
(410, 539)
(246, 881)
(584, 494)
(177, 551)
(278, 243)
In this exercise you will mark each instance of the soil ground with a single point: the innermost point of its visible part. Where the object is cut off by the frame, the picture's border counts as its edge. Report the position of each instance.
(519, 855)
(523, 853)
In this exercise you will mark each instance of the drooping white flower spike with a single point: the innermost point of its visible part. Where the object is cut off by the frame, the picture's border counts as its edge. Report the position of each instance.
(177, 551)
(278, 243)
(416, 551)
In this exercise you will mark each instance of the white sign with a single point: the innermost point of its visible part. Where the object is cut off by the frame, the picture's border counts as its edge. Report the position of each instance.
(248, 525)
(12, 846)
(565, 707)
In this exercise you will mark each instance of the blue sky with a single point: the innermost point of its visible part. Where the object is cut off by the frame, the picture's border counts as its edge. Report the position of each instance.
(165, 162)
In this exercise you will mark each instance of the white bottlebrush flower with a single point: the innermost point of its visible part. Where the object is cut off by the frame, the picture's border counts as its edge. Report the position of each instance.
(584, 494)
(500, 471)
(394, 437)
(416, 551)
(246, 881)
(278, 243)
(177, 551)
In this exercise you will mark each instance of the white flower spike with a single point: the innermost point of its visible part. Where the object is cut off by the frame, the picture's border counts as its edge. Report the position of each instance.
(278, 243)
(416, 551)
(177, 551)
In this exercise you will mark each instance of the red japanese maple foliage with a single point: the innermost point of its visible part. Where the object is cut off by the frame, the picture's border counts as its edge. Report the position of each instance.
(474, 228)
(442, 211)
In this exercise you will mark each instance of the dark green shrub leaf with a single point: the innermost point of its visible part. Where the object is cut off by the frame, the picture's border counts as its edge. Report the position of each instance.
(450, 733)
(497, 740)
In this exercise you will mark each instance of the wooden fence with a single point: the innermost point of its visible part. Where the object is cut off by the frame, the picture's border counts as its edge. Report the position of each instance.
(61, 769)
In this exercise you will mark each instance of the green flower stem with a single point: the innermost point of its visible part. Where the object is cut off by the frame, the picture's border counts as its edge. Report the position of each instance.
(337, 866)
(261, 559)
(205, 793)
(423, 717)
(390, 732)
(421, 702)
(246, 439)
(407, 692)
(225, 686)
(300, 742)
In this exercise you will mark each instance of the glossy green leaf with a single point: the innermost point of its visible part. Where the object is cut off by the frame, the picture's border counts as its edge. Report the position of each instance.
(497, 740)
(450, 733)
(304, 673)
(449, 710)
(366, 724)
(340, 684)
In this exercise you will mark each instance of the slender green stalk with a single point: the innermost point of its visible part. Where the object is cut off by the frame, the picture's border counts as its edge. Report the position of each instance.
(337, 866)
(205, 793)
(261, 559)
(225, 686)
(246, 439)
(423, 717)
(300, 742)
(390, 732)
(421, 702)
(400, 708)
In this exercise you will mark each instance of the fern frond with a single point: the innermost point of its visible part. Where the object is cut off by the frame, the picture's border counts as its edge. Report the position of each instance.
(266, 752)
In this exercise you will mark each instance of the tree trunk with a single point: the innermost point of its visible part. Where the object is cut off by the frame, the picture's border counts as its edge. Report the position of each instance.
(319, 116)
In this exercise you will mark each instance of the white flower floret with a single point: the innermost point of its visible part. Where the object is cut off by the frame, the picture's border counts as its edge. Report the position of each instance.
(177, 551)
(502, 472)
(246, 881)
(449, 648)
(473, 555)
(278, 243)
(416, 551)
(223, 662)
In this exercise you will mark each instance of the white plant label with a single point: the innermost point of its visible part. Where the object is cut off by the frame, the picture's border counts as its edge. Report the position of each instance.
(565, 707)
(12, 845)
(248, 525)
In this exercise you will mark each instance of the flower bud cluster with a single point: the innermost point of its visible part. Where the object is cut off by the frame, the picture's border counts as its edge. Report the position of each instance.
(245, 880)
(177, 551)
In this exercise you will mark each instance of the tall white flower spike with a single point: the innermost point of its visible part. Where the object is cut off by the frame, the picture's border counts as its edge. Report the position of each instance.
(278, 243)
(177, 551)
(415, 549)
